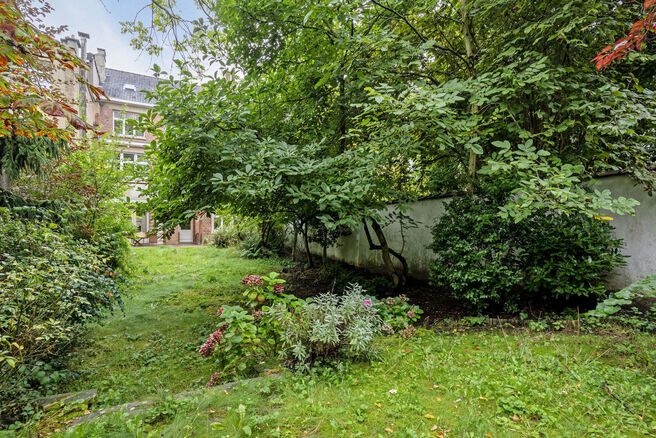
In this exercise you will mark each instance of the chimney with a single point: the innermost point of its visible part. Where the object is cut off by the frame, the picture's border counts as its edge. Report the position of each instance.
(73, 44)
(100, 61)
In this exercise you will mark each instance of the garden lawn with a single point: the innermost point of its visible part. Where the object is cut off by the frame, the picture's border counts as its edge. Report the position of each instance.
(151, 348)
(452, 384)
(488, 384)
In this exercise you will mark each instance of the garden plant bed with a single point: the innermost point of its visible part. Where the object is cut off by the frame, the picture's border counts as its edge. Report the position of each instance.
(437, 303)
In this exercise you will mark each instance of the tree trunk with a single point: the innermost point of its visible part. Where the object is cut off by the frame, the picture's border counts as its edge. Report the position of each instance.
(295, 241)
(4, 180)
(307, 246)
(468, 37)
(398, 279)
(324, 255)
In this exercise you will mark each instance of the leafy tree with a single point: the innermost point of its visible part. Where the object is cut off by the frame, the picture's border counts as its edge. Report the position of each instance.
(90, 181)
(425, 91)
(635, 39)
(32, 99)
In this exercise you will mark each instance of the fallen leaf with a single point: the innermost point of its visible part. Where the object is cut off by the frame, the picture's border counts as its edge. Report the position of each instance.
(389, 430)
(439, 398)
(515, 418)
(488, 435)
(482, 398)
(434, 427)
(379, 405)
(393, 391)
(429, 416)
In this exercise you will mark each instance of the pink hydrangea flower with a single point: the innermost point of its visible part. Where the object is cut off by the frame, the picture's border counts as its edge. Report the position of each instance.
(366, 303)
(278, 288)
(215, 338)
(252, 280)
(214, 379)
(219, 312)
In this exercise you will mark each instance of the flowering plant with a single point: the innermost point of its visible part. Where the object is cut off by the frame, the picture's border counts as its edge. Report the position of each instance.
(261, 289)
(237, 343)
(398, 313)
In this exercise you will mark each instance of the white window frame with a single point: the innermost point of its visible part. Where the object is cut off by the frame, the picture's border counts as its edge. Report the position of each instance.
(138, 159)
(124, 116)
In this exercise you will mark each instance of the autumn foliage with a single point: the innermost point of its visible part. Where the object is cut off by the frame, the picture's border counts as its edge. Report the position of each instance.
(633, 41)
(30, 96)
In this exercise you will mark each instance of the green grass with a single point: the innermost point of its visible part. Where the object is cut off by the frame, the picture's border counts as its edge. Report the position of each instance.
(150, 348)
(457, 384)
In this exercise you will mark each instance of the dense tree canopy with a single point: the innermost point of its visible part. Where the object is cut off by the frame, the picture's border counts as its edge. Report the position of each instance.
(428, 89)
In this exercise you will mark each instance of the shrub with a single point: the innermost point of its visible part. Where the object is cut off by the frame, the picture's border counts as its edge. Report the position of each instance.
(327, 327)
(261, 289)
(490, 261)
(51, 285)
(397, 313)
(224, 238)
(253, 247)
(236, 343)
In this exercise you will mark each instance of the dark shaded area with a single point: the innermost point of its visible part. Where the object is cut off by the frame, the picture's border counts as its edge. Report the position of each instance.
(437, 303)
(308, 282)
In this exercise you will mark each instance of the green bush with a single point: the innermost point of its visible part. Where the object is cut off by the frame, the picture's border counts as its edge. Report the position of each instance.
(489, 261)
(52, 284)
(397, 313)
(253, 247)
(327, 327)
(224, 238)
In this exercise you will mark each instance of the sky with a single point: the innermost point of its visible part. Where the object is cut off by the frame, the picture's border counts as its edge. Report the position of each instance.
(101, 20)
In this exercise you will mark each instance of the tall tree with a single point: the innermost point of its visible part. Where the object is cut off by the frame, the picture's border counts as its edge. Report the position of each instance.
(429, 89)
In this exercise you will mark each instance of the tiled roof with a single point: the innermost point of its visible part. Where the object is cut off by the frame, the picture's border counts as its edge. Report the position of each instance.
(124, 85)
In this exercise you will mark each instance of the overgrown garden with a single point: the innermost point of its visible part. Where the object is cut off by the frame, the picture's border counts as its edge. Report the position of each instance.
(301, 122)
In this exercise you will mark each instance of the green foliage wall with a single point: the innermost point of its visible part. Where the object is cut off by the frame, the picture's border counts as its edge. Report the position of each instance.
(53, 282)
(491, 262)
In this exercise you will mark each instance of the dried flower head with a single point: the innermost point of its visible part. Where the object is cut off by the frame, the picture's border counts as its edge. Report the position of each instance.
(390, 301)
(213, 379)
(411, 313)
(403, 298)
(258, 315)
(215, 338)
(252, 280)
(278, 288)
(408, 332)
(219, 311)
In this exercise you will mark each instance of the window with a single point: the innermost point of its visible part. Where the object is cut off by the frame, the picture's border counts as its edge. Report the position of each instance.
(141, 222)
(124, 124)
(132, 158)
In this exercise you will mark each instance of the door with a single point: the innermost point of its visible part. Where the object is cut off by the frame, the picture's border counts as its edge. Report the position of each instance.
(186, 234)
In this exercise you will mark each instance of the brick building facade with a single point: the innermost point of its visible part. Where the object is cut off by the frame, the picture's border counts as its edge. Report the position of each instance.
(127, 100)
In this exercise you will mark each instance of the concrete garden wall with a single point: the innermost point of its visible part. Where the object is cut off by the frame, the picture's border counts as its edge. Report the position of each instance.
(638, 232)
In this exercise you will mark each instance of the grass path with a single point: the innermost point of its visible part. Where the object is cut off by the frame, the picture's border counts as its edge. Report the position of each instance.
(457, 384)
(150, 348)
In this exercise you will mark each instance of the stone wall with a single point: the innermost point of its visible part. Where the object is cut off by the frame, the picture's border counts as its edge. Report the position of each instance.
(638, 232)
